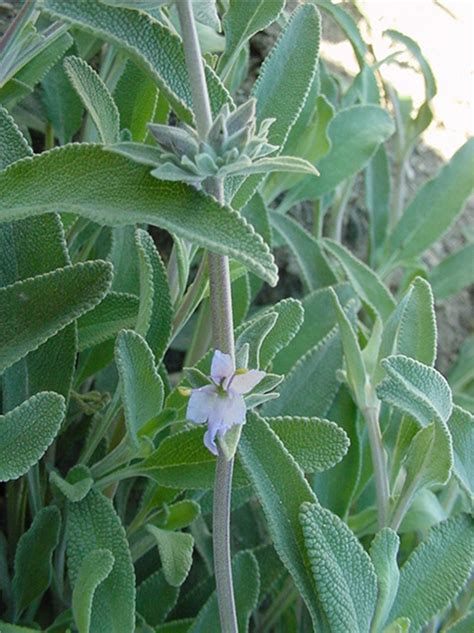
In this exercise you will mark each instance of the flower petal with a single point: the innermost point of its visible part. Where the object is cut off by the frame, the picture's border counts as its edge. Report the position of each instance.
(243, 383)
(236, 410)
(210, 439)
(222, 366)
(201, 404)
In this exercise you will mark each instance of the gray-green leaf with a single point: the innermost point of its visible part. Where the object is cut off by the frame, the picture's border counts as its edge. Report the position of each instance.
(176, 553)
(94, 569)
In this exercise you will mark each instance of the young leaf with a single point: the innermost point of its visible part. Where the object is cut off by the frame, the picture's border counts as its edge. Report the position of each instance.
(33, 569)
(182, 461)
(461, 427)
(118, 310)
(377, 199)
(241, 21)
(454, 273)
(150, 44)
(155, 611)
(141, 387)
(76, 485)
(434, 208)
(176, 553)
(136, 97)
(80, 181)
(355, 134)
(345, 578)
(254, 334)
(246, 578)
(284, 82)
(383, 553)
(417, 334)
(281, 489)
(315, 269)
(27, 431)
(33, 310)
(290, 317)
(315, 444)
(416, 389)
(365, 282)
(435, 572)
(96, 98)
(94, 569)
(93, 524)
(310, 387)
(161, 309)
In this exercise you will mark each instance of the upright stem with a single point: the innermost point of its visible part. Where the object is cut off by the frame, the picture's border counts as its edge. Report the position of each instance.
(379, 463)
(222, 326)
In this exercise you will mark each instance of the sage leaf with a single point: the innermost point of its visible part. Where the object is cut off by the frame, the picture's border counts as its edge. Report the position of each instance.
(79, 181)
(117, 311)
(76, 485)
(314, 266)
(454, 273)
(281, 489)
(383, 553)
(33, 557)
(27, 431)
(96, 98)
(417, 334)
(435, 572)
(155, 611)
(13, 144)
(33, 310)
(434, 208)
(345, 578)
(314, 443)
(150, 44)
(176, 553)
(93, 524)
(136, 96)
(461, 428)
(141, 387)
(416, 389)
(366, 283)
(94, 569)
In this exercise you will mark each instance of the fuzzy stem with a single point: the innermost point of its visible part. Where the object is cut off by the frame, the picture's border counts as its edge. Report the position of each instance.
(379, 463)
(223, 330)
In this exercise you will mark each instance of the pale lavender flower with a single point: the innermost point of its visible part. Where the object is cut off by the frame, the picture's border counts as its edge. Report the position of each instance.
(221, 403)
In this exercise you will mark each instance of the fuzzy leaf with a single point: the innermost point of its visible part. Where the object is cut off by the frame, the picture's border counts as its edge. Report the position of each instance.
(417, 335)
(79, 181)
(461, 427)
(345, 578)
(118, 310)
(355, 134)
(315, 269)
(435, 571)
(365, 282)
(33, 570)
(285, 164)
(155, 611)
(284, 82)
(13, 144)
(281, 489)
(253, 335)
(150, 44)
(136, 96)
(434, 207)
(93, 524)
(94, 569)
(383, 552)
(176, 553)
(315, 444)
(156, 296)
(290, 317)
(310, 387)
(33, 310)
(415, 389)
(454, 273)
(241, 21)
(96, 98)
(27, 431)
(141, 387)
(76, 485)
